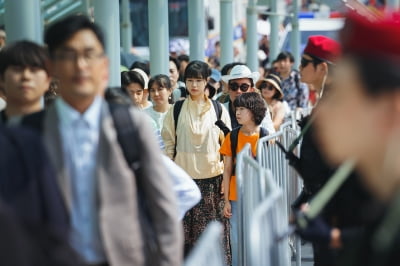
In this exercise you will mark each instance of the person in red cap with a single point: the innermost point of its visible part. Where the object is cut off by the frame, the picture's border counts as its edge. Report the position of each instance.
(318, 58)
(342, 217)
(361, 119)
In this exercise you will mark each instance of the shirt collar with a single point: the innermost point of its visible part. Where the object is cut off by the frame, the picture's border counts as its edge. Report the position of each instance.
(68, 114)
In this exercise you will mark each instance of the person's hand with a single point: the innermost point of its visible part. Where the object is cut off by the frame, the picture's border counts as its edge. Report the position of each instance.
(227, 210)
(317, 231)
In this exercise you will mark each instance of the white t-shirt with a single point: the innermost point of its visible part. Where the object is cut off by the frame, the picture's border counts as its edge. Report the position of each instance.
(156, 116)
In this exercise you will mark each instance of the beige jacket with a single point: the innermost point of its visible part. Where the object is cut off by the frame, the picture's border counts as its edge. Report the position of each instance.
(198, 138)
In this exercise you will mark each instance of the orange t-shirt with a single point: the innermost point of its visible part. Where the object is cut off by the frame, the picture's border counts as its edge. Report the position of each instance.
(226, 150)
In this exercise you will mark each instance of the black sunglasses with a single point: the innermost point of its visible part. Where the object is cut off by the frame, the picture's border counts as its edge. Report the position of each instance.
(304, 61)
(235, 86)
(267, 86)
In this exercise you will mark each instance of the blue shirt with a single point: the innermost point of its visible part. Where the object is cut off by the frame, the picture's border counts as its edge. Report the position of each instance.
(80, 138)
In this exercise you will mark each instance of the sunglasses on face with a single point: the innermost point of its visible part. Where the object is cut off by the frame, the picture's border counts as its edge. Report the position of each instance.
(267, 86)
(235, 86)
(304, 62)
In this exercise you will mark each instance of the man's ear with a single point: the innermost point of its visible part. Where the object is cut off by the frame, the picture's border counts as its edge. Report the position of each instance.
(323, 67)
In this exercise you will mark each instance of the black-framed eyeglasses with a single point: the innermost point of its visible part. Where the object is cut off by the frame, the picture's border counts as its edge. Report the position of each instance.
(304, 61)
(235, 86)
(267, 86)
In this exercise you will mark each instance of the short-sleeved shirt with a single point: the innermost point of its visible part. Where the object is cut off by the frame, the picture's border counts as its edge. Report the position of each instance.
(226, 151)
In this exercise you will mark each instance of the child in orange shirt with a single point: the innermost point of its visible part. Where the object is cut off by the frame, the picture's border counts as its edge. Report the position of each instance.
(250, 111)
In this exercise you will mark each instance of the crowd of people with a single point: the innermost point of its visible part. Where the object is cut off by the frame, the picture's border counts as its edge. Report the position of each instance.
(133, 175)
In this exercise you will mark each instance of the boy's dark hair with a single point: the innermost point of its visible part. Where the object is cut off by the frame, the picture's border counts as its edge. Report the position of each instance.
(284, 56)
(58, 33)
(24, 54)
(175, 61)
(162, 81)
(128, 77)
(141, 65)
(183, 57)
(226, 68)
(197, 69)
(253, 102)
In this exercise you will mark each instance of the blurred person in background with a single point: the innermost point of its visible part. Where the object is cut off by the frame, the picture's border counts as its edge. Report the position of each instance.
(360, 119)
(179, 91)
(271, 92)
(24, 77)
(295, 92)
(161, 95)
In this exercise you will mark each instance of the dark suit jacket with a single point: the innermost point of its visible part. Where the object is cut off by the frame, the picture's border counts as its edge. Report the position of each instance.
(33, 219)
(27, 180)
(118, 213)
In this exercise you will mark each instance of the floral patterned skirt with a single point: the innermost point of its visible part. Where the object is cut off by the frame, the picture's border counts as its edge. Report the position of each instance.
(208, 209)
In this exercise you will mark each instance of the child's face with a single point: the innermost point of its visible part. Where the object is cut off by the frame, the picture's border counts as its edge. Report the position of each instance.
(25, 84)
(244, 116)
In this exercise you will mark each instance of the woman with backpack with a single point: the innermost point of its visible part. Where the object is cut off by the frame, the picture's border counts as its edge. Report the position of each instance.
(193, 140)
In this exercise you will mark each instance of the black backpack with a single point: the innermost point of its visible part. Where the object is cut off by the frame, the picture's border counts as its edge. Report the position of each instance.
(234, 141)
(218, 110)
(178, 108)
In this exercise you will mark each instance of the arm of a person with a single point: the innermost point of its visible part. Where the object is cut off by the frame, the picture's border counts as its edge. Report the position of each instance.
(267, 123)
(160, 197)
(168, 133)
(279, 111)
(228, 166)
(187, 192)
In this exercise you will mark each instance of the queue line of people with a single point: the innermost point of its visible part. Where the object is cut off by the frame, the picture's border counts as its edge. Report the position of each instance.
(100, 213)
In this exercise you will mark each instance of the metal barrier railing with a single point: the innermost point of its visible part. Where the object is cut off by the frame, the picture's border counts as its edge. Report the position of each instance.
(268, 245)
(208, 250)
(251, 189)
(271, 157)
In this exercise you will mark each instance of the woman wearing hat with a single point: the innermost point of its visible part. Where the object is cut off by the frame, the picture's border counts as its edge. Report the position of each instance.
(271, 92)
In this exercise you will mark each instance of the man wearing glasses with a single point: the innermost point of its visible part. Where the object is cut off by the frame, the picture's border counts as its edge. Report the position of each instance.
(98, 186)
(242, 80)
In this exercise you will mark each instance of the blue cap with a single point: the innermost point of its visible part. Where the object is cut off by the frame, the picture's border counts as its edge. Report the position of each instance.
(215, 75)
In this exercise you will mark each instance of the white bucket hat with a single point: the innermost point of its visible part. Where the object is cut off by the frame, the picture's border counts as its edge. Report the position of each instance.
(241, 71)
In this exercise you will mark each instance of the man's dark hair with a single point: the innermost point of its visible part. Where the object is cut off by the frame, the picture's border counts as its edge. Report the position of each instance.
(253, 102)
(24, 54)
(141, 65)
(183, 57)
(197, 69)
(284, 56)
(226, 68)
(58, 33)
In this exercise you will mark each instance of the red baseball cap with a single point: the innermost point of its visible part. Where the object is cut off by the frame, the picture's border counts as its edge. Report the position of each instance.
(323, 48)
(372, 35)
